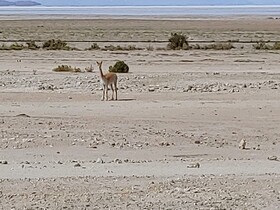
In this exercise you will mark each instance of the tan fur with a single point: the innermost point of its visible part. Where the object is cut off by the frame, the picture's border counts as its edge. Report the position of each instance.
(108, 79)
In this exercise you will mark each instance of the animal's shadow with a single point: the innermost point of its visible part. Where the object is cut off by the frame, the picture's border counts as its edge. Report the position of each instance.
(127, 99)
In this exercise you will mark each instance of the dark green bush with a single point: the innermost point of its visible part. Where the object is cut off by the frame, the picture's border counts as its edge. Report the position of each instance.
(56, 45)
(178, 42)
(119, 67)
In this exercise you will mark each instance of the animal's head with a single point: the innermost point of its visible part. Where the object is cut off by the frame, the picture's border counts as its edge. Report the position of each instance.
(99, 63)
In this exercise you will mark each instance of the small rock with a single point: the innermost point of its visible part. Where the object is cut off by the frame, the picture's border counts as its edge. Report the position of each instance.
(117, 161)
(273, 158)
(4, 162)
(77, 165)
(242, 144)
(193, 165)
(99, 160)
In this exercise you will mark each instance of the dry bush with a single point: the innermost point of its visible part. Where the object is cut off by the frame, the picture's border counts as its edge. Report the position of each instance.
(150, 48)
(66, 68)
(17, 46)
(89, 69)
(276, 46)
(178, 42)
(14, 46)
(32, 45)
(261, 45)
(94, 46)
(4, 47)
(53, 44)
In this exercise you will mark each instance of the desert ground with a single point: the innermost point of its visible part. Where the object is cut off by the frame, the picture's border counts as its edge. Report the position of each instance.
(171, 141)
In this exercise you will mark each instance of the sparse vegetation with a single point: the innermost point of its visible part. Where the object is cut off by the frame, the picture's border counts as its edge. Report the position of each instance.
(262, 45)
(89, 69)
(14, 46)
(215, 46)
(4, 47)
(94, 46)
(32, 45)
(120, 48)
(178, 42)
(119, 67)
(276, 46)
(53, 44)
(66, 68)
(150, 48)
(17, 46)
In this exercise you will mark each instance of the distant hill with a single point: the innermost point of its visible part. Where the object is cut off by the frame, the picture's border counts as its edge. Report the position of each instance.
(18, 3)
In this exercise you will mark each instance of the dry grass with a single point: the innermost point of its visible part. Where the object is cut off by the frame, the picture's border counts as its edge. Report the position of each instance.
(262, 45)
(66, 68)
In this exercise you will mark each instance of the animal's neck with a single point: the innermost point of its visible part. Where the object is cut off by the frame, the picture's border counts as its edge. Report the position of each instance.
(101, 73)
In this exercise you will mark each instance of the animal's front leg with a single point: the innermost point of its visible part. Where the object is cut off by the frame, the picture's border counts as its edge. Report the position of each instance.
(103, 94)
(107, 93)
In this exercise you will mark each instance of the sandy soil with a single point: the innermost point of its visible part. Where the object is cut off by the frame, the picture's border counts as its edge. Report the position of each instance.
(170, 142)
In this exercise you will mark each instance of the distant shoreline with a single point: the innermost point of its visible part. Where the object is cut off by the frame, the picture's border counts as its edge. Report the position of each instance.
(145, 6)
(135, 11)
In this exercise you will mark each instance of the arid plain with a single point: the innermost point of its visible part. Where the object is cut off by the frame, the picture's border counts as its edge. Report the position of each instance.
(171, 141)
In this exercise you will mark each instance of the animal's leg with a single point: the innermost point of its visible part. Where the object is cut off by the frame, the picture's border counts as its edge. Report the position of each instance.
(106, 92)
(103, 93)
(116, 90)
(112, 92)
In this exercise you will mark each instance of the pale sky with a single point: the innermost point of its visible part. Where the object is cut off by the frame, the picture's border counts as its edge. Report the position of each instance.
(157, 2)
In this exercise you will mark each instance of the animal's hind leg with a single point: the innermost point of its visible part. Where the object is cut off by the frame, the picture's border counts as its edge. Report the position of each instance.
(116, 90)
(107, 93)
(112, 92)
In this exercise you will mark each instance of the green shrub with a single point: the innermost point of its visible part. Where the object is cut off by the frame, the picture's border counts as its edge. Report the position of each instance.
(119, 67)
(178, 42)
(56, 45)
